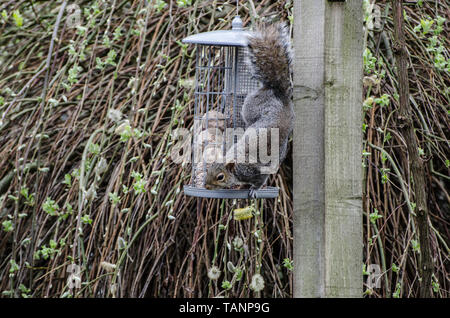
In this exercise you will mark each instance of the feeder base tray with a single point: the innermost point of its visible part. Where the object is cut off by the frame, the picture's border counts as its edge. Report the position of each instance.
(265, 193)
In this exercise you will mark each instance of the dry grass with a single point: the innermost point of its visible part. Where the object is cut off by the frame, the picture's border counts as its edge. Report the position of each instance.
(56, 127)
(391, 239)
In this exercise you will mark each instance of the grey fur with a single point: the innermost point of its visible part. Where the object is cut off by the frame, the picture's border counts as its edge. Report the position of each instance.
(268, 107)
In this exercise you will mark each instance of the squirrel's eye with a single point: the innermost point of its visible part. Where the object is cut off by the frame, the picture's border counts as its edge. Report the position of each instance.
(220, 177)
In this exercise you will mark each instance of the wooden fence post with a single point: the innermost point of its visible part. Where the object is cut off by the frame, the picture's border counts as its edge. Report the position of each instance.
(328, 242)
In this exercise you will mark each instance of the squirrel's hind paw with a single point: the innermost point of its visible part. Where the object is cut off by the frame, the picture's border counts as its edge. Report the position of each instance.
(252, 193)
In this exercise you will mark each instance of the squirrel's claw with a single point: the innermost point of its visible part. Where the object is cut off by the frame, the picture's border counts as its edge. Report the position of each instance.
(252, 193)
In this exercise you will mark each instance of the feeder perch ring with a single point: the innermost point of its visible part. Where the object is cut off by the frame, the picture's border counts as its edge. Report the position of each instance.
(265, 193)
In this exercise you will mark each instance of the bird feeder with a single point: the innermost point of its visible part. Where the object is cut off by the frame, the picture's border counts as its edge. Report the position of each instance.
(222, 82)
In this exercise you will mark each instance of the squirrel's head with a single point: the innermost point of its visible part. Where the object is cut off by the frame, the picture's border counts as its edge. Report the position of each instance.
(220, 176)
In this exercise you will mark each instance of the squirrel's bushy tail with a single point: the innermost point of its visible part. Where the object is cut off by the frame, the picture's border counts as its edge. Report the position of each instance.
(270, 58)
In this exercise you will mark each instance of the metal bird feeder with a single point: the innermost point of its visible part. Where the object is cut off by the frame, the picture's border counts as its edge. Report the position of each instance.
(222, 82)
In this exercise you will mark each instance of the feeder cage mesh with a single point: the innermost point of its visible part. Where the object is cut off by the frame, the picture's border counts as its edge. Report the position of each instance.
(222, 82)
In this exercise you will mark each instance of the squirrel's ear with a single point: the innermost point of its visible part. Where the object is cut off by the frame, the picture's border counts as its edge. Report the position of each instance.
(230, 166)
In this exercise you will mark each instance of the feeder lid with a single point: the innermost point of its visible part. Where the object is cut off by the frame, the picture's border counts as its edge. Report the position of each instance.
(235, 37)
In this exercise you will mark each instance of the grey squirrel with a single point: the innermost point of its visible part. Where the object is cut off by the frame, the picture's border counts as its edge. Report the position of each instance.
(270, 106)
